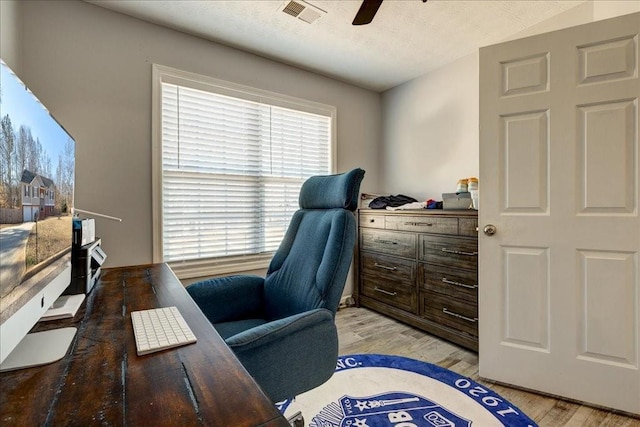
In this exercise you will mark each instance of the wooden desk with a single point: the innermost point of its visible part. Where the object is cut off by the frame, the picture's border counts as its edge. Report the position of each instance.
(102, 381)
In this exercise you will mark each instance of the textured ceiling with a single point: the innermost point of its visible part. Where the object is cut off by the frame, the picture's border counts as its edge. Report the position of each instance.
(406, 39)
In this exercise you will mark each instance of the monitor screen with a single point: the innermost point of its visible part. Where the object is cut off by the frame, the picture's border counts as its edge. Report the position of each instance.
(37, 171)
(37, 158)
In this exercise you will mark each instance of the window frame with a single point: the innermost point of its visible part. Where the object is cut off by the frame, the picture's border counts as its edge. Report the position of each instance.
(163, 74)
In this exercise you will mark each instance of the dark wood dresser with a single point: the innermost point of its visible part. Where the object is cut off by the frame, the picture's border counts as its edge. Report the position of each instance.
(421, 267)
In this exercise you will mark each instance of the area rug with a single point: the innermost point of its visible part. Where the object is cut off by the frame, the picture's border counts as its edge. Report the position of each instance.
(372, 390)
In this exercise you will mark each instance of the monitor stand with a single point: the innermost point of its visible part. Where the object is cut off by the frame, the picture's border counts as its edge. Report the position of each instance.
(39, 348)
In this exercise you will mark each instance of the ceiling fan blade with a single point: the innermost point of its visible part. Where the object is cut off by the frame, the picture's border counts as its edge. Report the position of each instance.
(366, 12)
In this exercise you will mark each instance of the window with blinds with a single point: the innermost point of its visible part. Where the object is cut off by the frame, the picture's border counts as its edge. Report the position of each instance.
(232, 164)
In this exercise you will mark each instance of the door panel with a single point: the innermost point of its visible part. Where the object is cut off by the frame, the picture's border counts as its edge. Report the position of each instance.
(524, 144)
(525, 75)
(559, 300)
(608, 60)
(607, 290)
(526, 293)
(608, 171)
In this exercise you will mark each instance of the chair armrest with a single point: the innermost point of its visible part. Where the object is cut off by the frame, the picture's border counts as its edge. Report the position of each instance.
(229, 298)
(291, 355)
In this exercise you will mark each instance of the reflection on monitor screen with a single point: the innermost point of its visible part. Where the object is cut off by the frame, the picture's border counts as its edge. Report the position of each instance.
(37, 171)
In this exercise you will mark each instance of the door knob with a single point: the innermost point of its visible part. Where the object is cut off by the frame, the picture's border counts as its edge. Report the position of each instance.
(489, 229)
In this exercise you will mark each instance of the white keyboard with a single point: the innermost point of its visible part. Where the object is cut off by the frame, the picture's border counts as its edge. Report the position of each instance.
(160, 328)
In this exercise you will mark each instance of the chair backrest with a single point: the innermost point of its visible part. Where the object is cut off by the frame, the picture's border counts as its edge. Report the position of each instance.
(310, 267)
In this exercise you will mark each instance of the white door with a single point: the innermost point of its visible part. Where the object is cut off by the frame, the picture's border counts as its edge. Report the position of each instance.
(559, 280)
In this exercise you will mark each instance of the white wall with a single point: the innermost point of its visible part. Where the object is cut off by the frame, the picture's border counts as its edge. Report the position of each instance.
(587, 12)
(430, 124)
(578, 15)
(10, 24)
(92, 68)
(605, 9)
(430, 132)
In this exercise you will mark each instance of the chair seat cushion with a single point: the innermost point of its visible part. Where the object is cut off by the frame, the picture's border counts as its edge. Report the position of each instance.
(229, 329)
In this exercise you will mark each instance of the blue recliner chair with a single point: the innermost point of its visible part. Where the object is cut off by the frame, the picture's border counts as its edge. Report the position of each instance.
(281, 327)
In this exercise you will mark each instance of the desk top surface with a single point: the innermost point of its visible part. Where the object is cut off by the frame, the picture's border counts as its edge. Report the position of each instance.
(103, 381)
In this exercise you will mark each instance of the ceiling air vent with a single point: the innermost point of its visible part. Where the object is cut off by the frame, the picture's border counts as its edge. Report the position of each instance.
(302, 10)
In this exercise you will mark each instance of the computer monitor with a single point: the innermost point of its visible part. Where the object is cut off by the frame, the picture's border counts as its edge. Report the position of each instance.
(37, 173)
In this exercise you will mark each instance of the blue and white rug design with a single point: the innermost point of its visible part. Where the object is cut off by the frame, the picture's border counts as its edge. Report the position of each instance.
(373, 390)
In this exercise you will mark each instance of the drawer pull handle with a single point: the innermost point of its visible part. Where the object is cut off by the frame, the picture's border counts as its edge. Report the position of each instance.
(459, 316)
(386, 242)
(391, 294)
(462, 285)
(385, 267)
(418, 224)
(453, 251)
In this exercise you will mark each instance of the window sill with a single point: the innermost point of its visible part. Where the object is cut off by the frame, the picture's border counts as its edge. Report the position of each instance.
(220, 266)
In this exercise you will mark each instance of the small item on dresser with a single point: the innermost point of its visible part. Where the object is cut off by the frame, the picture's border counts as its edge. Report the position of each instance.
(434, 204)
(462, 186)
(394, 201)
(475, 198)
(408, 206)
(366, 198)
(456, 201)
(472, 184)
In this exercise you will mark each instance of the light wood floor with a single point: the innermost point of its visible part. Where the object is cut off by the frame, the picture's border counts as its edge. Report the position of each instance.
(364, 331)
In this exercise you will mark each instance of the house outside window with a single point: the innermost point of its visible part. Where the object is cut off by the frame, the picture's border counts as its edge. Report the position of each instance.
(228, 164)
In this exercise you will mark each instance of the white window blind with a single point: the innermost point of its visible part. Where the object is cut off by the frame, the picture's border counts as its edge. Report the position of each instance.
(231, 171)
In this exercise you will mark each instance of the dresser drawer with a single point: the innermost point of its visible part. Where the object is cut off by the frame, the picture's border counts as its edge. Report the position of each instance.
(371, 220)
(395, 294)
(468, 227)
(449, 312)
(387, 268)
(460, 284)
(422, 224)
(388, 242)
(450, 251)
